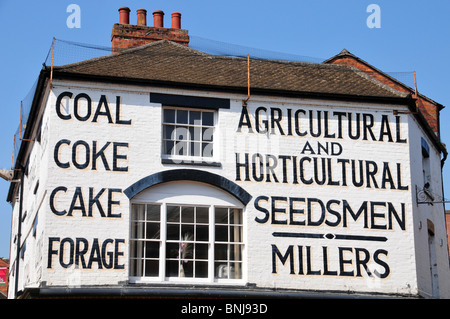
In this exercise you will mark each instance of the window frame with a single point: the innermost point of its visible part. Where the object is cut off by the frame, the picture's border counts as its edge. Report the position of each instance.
(188, 158)
(211, 278)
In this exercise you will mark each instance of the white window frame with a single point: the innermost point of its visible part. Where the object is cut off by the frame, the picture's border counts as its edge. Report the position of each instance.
(212, 205)
(180, 159)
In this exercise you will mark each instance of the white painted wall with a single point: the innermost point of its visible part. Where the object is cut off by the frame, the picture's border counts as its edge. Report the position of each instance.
(403, 257)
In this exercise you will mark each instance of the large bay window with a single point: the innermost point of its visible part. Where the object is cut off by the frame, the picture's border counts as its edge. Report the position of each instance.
(173, 242)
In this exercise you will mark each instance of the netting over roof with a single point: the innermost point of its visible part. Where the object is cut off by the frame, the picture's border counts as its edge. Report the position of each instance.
(67, 52)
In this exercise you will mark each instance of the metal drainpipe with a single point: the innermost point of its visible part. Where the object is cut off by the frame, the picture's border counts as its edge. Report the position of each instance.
(19, 230)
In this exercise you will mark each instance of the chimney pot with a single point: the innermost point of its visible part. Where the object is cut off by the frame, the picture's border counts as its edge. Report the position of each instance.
(158, 19)
(176, 20)
(124, 15)
(141, 17)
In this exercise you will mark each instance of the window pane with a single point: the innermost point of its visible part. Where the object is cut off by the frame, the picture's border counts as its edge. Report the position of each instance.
(152, 249)
(151, 268)
(237, 270)
(235, 234)
(138, 212)
(186, 251)
(137, 230)
(137, 249)
(152, 231)
(173, 231)
(182, 133)
(187, 232)
(180, 148)
(187, 215)
(202, 233)
(221, 215)
(195, 118)
(201, 269)
(224, 270)
(172, 250)
(182, 116)
(222, 233)
(172, 268)
(236, 216)
(235, 252)
(169, 116)
(196, 149)
(202, 215)
(207, 134)
(169, 132)
(220, 252)
(208, 118)
(136, 267)
(186, 269)
(201, 251)
(207, 150)
(153, 212)
(194, 133)
(168, 147)
(173, 214)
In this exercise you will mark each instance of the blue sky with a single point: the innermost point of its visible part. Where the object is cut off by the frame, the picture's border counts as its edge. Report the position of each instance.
(414, 36)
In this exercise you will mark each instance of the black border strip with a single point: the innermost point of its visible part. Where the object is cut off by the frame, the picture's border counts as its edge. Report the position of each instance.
(189, 175)
(329, 236)
(190, 101)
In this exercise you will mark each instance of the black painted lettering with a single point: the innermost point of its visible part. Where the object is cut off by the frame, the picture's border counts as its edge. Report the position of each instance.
(276, 119)
(276, 209)
(59, 105)
(277, 255)
(56, 153)
(52, 201)
(101, 153)
(75, 153)
(368, 122)
(98, 112)
(117, 157)
(88, 107)
(52, 251)
(381, 263)
(112, 202)
(118, 111)
(262, 209)
(244, 120)
(343, 262)
(245, 165)
(385, 129)
(258, 121)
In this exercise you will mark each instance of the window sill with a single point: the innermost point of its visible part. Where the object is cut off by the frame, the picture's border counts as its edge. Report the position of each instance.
(189, 162)
(205, 282)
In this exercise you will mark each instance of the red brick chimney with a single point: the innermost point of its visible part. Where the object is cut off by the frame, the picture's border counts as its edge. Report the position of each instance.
(126, 36)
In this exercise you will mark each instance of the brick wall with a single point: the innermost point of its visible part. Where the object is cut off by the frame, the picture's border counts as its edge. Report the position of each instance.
(429, 110)
(126, 36)
(4, 288)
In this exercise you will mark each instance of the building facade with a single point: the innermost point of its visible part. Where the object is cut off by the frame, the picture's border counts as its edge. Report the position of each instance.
(151, 172)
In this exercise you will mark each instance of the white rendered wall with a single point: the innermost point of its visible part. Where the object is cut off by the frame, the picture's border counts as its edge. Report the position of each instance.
(388, 248)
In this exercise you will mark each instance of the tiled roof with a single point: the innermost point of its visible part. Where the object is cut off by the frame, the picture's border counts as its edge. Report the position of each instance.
(171, 63)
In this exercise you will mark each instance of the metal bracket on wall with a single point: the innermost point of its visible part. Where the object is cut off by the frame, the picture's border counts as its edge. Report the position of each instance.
(425, 196)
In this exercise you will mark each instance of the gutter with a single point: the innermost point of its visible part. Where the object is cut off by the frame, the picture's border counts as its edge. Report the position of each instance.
(231, 89)
(247, 292)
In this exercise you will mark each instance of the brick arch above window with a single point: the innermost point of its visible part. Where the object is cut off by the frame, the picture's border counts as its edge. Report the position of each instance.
(189, 175)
